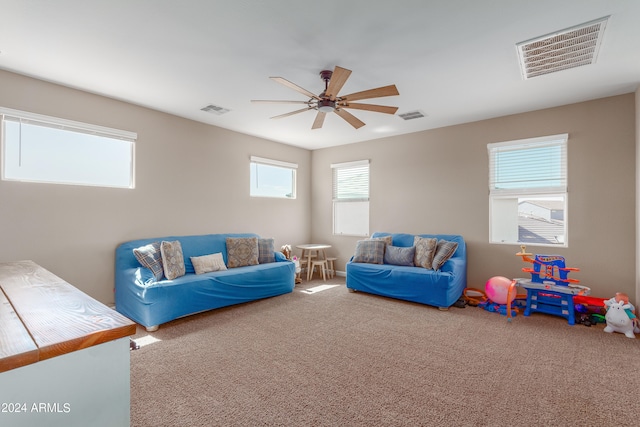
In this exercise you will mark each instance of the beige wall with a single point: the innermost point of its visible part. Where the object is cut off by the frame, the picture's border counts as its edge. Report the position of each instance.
(637, 299)
(436, 182)
(191, 178)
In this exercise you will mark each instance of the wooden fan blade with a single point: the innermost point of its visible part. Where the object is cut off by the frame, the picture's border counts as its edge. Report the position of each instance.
(379, 92)
(338, 79)
(317, 123)
(377, 108)
(265, 101)
(302, 110)
(350, 118)
(294, 87)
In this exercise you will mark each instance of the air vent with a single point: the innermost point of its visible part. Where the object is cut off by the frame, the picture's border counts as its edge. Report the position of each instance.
(412, 115)
(568, 48)
(215, 109)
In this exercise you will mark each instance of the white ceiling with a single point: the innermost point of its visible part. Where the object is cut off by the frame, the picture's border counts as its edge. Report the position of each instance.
(454, 60)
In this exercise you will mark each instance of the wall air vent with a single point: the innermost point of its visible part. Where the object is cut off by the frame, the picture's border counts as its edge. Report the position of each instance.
(410, 115)
(564, 49)
(215, 109)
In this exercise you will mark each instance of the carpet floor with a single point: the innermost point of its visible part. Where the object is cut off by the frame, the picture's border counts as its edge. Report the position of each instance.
(328, 357)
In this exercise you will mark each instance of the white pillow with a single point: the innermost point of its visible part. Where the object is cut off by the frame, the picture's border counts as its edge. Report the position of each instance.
(207, 263)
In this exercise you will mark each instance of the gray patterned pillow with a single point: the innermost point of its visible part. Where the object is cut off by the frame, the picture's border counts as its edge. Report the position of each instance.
(207, 263)
(149, 256)
(370, 251)
(242, 251)
(444, 251)
(425, 250)
(396, 255)
(266, 251)
(387, 239)
(172, 259)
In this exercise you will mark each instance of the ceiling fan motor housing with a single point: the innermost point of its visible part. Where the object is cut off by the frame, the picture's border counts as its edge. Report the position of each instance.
(326, 75)
(326, 105)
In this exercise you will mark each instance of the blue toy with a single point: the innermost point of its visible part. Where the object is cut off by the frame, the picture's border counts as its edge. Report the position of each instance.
(550, 290)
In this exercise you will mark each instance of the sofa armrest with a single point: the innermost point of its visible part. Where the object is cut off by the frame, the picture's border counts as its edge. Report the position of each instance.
(138, 276)
(454, 265)
(280, 257)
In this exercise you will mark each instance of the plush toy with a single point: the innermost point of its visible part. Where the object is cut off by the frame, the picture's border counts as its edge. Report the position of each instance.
(286, 250)
(621, 316)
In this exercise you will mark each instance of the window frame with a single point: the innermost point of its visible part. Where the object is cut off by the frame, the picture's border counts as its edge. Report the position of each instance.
(262, 161)
(71, 126)
(538, 186)
(352, 207)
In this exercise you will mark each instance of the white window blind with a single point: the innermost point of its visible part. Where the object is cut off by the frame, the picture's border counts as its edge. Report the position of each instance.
(528, 166)
(351, 198)
(351, 181)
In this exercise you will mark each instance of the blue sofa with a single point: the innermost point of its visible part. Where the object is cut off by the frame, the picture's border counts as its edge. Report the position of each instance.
(150, 303)
(437, 288)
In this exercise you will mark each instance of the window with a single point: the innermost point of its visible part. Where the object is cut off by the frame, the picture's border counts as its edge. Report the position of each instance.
(272, 178)
(528, 191)
(37, 148)
(351, 198)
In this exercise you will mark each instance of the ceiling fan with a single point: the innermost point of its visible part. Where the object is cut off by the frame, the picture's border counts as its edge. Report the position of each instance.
(329, 101)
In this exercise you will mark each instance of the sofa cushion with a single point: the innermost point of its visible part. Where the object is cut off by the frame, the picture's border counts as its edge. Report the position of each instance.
(172, 259)
(396, 255)
(208, 263)
(444, 251)
(149, 256)
(370, 251)
(266, 251)
(242, 251)
(386, 239)
(425, 250)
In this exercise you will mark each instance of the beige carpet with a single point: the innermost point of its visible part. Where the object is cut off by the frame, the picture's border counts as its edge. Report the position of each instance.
(335, 358)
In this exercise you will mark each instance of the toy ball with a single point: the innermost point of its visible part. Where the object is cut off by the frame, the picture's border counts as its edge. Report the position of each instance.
(497, 289)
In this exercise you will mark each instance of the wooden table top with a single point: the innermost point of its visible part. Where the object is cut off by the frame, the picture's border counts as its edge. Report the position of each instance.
(42, 316)
(313, 246)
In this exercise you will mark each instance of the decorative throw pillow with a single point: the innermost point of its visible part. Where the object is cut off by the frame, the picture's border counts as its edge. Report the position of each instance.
(242, 251)
(387, 239)
(172, 259)
(396, 255)
(425, 250)
(266, 251)
(444, 251)
(149, 256)
(207, 263)
(370, 251)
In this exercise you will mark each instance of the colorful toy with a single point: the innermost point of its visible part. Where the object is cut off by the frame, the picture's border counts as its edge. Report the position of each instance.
(497, 289)
(548, 269)
(618, 319)
(550, 290)
(621, 316)
(499, 296)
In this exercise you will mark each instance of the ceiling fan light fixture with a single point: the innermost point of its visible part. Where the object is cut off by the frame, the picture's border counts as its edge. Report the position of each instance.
(326, 105)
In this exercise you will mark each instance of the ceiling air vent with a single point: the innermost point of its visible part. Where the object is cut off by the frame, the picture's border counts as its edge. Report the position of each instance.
(412, 115)
(568, 48)
(214, 109)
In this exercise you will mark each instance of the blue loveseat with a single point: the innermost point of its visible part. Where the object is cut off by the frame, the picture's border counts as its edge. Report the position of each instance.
(439, 288)
(151, 302)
